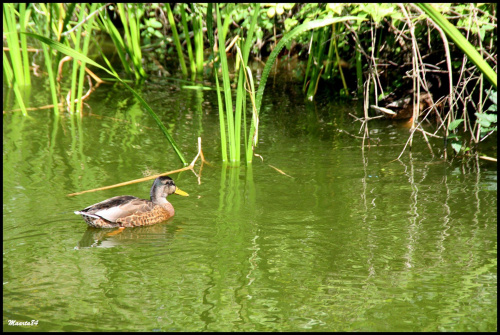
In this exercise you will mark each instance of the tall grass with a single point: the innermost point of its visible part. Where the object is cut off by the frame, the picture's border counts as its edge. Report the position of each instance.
(287, 38)
(120, 46)
(130, 16)
(47, 25)
(233, 119)
(228, 102)
(177, 41)
(76, 55)
(187, 38)
(245, 85)
(195, 49)
(16, 64)
(77, 83)
(51, 22)
(198, 37)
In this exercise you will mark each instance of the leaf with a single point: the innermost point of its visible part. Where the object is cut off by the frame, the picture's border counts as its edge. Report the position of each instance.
(485, 119)
(493, 97)
(456, 146)
(485, 131)
(492, 108)
(155, 24)
(454, 124)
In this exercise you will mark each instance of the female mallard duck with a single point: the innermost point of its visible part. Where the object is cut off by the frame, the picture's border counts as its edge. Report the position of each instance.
(129, 211)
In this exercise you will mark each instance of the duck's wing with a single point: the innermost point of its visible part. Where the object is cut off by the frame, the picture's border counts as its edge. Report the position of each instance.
(118, 207)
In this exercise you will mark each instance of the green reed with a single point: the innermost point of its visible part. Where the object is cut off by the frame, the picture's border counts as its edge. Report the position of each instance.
(49, 20)
(316, 56)
(86, 17)
(121, 48)
(177, 41)
(45, 24)
(198, 39)
(16, 66)
(83, 58)
(461, 41)
(189, 47)
(228, 103)
(130, 19)
(287, 38)
(233, 119)
(195, 49)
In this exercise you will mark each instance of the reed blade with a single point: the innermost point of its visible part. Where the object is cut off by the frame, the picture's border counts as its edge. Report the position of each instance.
(70, 52)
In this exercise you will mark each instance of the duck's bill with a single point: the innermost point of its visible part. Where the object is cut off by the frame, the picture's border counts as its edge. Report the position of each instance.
(180, 192)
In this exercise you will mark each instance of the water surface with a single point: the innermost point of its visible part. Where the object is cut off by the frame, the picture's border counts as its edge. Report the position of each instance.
(348, 240)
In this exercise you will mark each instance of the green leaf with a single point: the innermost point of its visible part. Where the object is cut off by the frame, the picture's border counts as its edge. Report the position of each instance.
(155, 24)
(290, 23)
(493, 97)
(485, 120)
(456, 146)
(492, 108)
(454, 124)
(485, 131)
(490, 117)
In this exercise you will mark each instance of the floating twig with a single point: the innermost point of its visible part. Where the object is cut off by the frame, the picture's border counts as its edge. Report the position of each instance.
(487, 158)
(189, 167)
(280, 171)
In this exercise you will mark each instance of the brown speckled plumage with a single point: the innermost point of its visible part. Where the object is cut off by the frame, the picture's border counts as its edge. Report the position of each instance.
(129, 211)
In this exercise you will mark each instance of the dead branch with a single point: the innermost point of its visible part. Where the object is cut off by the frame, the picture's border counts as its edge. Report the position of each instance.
(189, 167)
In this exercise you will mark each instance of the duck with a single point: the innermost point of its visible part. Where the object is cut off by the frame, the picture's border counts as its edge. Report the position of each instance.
(402, 109)
(129, 211)
(398, 105)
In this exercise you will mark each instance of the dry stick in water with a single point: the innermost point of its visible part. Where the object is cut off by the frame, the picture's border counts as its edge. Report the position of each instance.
(190, 167)
(488, 158)
(280, 171)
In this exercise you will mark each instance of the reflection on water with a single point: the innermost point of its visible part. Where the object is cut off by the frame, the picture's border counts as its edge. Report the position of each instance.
(345, 240)
(108, 238)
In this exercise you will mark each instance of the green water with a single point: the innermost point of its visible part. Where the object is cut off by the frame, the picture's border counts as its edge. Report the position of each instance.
(349, 241)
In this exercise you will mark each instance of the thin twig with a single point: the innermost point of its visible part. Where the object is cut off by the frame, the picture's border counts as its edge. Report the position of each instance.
(280, 171)
(343, 131)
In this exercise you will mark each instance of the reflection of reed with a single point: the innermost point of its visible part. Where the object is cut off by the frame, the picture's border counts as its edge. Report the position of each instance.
(233, 194)
(236, 263)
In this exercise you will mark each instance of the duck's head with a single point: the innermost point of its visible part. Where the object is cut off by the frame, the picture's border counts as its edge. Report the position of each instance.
(164, 186)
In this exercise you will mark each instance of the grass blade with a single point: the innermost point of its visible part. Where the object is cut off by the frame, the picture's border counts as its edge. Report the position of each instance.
(177, 42)
(461, 41)
(76, 55)
(287, 38)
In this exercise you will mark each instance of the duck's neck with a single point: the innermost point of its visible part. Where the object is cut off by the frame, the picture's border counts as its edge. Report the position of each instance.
(159, 200)
(163, 203)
